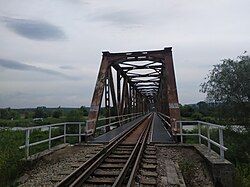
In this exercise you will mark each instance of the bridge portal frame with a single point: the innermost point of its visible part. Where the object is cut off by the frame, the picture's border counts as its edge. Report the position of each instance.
(132, 96)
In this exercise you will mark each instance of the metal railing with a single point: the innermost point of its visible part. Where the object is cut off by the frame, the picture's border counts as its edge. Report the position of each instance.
(81, 128)
(165, 118)
(201, 136)
(28, 131)
(168, 117)
(120, 120)
(121, 116)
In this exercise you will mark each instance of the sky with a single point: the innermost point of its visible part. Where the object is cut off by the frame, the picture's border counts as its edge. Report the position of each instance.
(50, 50)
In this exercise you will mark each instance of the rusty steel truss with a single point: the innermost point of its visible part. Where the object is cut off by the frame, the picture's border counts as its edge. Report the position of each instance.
(133, 82)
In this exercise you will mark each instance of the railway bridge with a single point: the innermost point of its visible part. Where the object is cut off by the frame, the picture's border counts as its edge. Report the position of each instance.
(135, 82)
(134, 118)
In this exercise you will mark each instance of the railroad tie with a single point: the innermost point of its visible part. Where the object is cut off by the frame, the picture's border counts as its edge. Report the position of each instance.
(147, 173)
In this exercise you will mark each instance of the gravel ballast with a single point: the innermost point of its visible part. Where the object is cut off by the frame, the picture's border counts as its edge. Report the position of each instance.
(48, 170)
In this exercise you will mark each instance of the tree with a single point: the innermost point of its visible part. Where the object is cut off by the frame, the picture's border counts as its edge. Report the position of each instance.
(197, 116)
(83, 111)
(57, 113)
(228, 84)
(204, 108)
(40, 112)
(9, 113)
(186, 110)
(74, 115)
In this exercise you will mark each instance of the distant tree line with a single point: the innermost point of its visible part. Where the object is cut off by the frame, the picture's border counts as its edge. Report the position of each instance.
(9, 113)
(43, 112)
(200, 111)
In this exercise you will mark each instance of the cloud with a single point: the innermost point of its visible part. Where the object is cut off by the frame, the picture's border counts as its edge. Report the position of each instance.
(122, 18)
(66, 67)
(34, 29)
(10, 64)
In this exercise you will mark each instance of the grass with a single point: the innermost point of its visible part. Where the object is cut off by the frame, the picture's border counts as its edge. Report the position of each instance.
(11, 163)
(187, 167)
(243, 175)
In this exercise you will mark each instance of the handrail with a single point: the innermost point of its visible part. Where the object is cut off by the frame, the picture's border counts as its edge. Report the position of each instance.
(51, 125)
(109, 124)
(169, 125)
(220, 145)
(205, 123)
(28, 131)
(164, 115)
(112, 117)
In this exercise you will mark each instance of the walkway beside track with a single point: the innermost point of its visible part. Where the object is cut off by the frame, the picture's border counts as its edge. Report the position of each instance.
(159, 133)
(107, 137)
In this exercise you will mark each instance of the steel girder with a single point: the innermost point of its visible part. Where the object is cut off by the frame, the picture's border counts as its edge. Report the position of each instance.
(143, 79)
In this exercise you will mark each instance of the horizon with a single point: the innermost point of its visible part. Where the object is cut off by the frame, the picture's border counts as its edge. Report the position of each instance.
(74, 107)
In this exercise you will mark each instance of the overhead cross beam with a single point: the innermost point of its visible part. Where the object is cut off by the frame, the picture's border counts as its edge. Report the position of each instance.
(142, 77)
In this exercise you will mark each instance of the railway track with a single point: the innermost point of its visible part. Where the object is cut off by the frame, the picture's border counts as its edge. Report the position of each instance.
(126, 160)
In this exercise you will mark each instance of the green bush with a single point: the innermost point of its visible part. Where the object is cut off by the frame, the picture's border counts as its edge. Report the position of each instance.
(197, 116)
(187, 168)
(243, 175)
(10, 156)
(16, 123)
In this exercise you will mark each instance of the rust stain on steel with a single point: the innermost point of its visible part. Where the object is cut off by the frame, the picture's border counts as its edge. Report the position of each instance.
(145, 80)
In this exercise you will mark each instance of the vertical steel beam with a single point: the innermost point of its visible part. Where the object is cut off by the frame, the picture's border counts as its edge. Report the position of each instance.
(97, 96)
(164, 106)
(118, 91)
(124, 93)
(112, 91)
(134, 100)
(107, 100)
(127, 99)
(130, 102)
(173, 103)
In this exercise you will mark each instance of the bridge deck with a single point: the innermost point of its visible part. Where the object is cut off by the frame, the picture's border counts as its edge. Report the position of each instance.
(107, 137)
(159, 133)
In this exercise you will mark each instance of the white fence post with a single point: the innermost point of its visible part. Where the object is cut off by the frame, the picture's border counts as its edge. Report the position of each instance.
(49, 137)
(199, 132)
(181, 132)
(221, 143)
(27, 142)
(64, 132)
(208, 136)
(80, 132)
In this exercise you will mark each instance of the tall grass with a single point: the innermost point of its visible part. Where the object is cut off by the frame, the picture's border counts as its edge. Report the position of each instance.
(10, 156)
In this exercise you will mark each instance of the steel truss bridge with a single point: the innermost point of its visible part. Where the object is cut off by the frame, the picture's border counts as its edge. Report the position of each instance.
(134, 82)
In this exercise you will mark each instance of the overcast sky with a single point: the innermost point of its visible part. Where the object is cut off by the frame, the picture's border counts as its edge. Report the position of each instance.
(50, 50)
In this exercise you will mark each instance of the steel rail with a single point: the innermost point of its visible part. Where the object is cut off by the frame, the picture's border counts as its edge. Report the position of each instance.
(139, 155)
(123, 173)
(76, 176)
(85, 175)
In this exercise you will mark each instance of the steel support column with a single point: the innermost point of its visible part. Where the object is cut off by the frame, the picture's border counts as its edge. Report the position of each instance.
(173, 103)
(97, 96)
